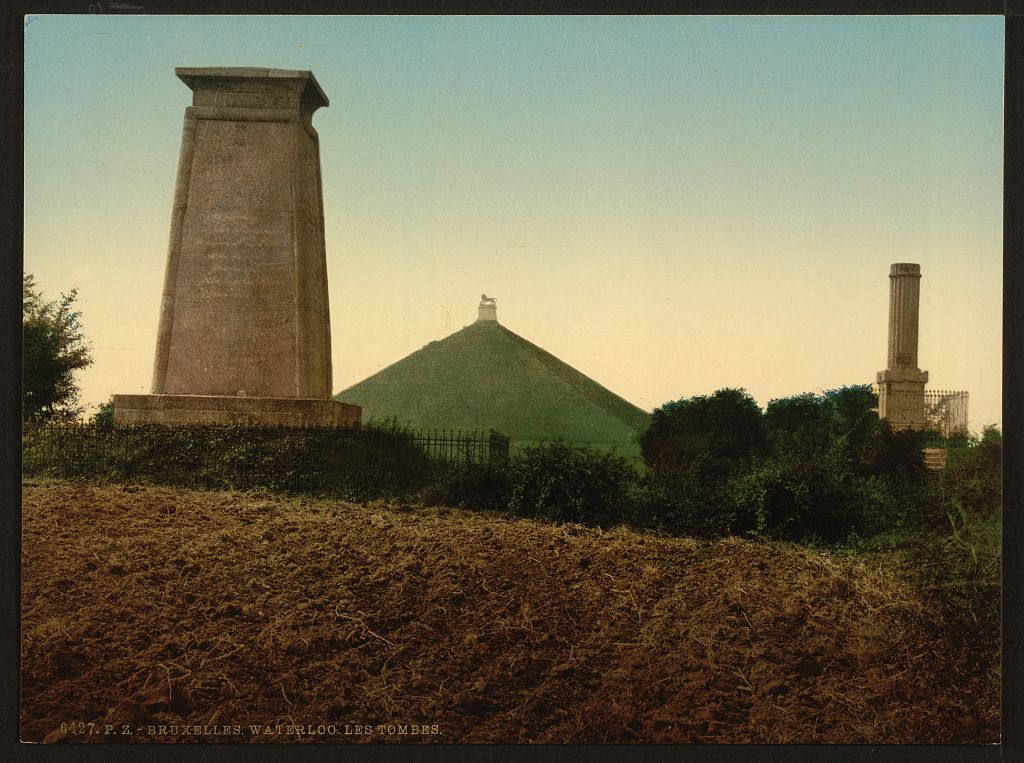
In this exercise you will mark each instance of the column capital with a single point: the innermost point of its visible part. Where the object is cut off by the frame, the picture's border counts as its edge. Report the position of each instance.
(905, 270)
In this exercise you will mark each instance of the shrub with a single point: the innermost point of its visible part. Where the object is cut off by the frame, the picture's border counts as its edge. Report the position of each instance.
(814, 499)
(104, 416)
(801, 423)
(897, 454)
(477, 486)
(880, 504)
(797, 498)
(958, 543)
(975, 479)
(682, 502)
(328, 460)
(565, 483)
(719, 432)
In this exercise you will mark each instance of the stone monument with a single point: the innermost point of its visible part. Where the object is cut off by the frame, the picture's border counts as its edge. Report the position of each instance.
(901, 384)
(244, 331)
(488, 309)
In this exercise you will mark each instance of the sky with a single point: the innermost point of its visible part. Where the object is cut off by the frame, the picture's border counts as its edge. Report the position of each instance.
(672, 205)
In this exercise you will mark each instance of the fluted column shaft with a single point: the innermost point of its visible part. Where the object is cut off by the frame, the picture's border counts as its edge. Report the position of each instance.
(904, 304)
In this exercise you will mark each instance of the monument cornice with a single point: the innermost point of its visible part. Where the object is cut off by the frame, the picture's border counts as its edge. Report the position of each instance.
(913, 375)
(310, 96)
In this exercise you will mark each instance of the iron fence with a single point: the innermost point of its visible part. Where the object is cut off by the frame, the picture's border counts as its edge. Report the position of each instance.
(332, 460)
(946, 411)
(463, 447)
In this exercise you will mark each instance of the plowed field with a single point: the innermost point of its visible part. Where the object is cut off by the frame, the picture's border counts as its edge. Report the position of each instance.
(161, 615)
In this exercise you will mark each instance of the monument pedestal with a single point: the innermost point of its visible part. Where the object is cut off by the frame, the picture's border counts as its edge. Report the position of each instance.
(225, 409)
(901, 397)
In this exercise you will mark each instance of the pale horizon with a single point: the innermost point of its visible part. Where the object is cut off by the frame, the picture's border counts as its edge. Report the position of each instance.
(671, 205)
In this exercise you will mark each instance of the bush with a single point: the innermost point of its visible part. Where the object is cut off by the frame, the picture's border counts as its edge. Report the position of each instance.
(104, 416)
(974, 480)
(719, 433)
(880, 505)
(816, 499)
(811, 468)
(957, 546)
(566, 483)
(795, 498)
(799, 424)
(476, 486)
(329, 460)
(682, 502)
(897, 454)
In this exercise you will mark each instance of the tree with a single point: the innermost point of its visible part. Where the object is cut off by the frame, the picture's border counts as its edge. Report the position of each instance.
(801, 423)
(716, 433)
(54, 347)
(809, 423)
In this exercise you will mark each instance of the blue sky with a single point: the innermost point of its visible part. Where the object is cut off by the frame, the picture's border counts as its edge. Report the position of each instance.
(670, 204)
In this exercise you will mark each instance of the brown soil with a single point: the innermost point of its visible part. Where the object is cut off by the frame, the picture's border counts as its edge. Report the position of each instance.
(150, 607)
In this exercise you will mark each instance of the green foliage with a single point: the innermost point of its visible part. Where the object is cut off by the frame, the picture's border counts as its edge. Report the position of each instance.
(329, 461)
(974, 481)
(716, 434)
(819, 468)
(812, 468)
(833, 470)
(852, 409)
(565, 483)
(954, 537)
(816, 499)
(683, 502)
(809, 422)
(54, 347)
(898, 455)
(71, 452)
(104, 416)
(966, 566)
(801, 423)
(468, 485)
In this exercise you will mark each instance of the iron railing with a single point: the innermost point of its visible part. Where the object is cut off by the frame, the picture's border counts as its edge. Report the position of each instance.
(463, 447)
(946, 411)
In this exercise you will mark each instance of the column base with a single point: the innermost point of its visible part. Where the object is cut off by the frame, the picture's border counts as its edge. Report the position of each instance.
(224, 409)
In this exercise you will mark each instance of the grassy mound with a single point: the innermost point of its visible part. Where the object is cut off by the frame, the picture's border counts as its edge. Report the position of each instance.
(485, 376)
(152, 607)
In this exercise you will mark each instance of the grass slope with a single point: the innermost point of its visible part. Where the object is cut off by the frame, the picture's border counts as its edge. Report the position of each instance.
(486, 376)
(150, 606)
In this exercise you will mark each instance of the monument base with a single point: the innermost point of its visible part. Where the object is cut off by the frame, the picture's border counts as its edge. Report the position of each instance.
(224, 409)
(901, 397)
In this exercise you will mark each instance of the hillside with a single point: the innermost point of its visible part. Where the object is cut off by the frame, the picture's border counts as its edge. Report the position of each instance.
(486, 376)
(149, 606)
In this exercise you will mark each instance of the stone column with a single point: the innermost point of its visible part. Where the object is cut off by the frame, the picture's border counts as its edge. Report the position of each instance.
(901, 385)
(244, 322)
